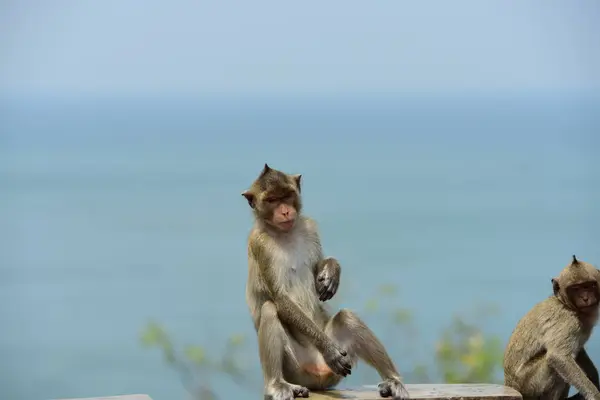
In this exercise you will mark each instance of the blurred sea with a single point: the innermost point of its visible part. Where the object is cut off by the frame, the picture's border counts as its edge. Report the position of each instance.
(117, 211)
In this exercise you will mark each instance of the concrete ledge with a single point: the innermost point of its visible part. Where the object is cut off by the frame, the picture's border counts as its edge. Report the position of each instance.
(125, 397)
(442, 391)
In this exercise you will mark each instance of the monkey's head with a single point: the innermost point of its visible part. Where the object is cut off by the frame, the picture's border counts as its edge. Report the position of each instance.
(275, 198)
(577, 286)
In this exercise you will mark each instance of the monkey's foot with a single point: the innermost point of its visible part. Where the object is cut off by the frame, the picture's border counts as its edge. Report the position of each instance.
(284, 391)
(299, 391)
(393, 388)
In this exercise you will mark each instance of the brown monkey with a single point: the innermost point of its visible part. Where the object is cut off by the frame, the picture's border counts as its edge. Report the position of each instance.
(545, 354)
(301, 346)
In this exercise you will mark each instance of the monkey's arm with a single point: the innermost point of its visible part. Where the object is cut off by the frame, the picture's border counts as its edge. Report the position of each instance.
(293, 316)
(327, 271)
(587, 365)
(327, 278)
(568, 369)
(561, 360)
(287, 311)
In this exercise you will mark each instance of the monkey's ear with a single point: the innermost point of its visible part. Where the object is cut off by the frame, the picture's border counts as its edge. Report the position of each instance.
(297, 178)
(264, 171)
(555, 286)
(575, 260)
(249, 197)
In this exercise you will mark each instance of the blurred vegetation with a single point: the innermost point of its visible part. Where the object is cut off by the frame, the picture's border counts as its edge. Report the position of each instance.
(196, 366)
(463, 352)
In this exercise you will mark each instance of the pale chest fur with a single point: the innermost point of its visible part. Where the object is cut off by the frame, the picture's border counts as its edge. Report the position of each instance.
(295, 260)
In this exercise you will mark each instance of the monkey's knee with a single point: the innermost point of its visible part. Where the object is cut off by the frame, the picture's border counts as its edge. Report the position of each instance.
(268, 311)
(346, 318)
(345, 327)
(269, 321)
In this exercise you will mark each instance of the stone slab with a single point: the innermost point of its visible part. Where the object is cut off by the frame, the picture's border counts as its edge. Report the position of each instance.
(474, 391)
(427, 392)
(125, 397)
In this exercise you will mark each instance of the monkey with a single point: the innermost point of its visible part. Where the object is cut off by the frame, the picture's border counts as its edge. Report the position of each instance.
(545, 354)
(302, 347)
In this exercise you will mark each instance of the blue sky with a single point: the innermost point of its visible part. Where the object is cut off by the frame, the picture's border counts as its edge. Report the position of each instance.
(151, 46)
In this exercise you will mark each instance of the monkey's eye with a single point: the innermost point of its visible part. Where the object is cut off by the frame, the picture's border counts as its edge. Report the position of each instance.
(588, 286)
(271, 200)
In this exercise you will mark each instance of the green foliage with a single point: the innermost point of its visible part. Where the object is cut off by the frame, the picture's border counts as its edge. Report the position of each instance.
(195, 365)
(463, 353)
(155, 336)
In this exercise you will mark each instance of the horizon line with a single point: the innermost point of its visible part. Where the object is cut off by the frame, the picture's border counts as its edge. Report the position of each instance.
(293, 95)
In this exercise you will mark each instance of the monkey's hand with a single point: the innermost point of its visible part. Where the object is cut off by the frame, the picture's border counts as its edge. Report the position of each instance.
(393, 388)
(337, 359)
(328, 278)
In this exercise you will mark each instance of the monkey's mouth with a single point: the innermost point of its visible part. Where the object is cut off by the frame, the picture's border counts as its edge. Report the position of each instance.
(287, 225)
(589, 308)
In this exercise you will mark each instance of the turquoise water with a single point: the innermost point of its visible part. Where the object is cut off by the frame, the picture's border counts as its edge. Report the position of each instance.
(114, 212)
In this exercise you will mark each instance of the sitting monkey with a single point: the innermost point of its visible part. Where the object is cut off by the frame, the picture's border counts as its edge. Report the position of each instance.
(545, 354)
(301, 346)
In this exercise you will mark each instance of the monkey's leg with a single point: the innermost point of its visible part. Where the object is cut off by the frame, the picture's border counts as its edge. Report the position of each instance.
(273, 343)
(537, 381)
(588, 367)
(358, 340)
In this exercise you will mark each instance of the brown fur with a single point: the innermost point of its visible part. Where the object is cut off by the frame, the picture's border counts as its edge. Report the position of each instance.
(301, 346)
(545, 354)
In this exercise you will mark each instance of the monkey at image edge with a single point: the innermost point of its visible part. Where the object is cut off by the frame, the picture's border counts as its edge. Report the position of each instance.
(301, 347)
(545, 354)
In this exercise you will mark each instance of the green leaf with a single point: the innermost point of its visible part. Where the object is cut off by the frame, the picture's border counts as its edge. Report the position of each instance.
(152, 335)
(236, 340)
(402, 316)
(372, 305)
(195, 354)
(388, 289)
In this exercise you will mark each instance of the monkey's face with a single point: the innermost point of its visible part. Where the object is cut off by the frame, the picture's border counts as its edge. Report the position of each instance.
(279, 209)
(275, 198)
(584, 296)
(578, 286)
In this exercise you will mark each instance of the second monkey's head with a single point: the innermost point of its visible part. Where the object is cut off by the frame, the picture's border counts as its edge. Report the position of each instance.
(275, 199)
(578, 286)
